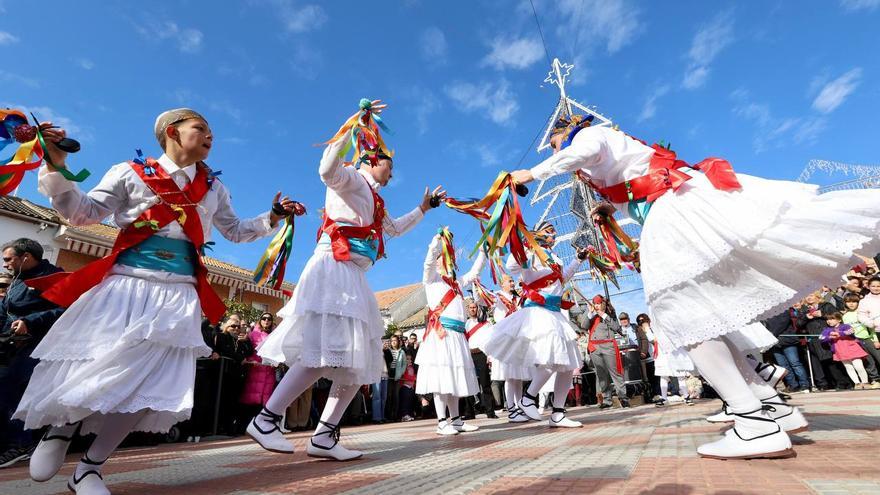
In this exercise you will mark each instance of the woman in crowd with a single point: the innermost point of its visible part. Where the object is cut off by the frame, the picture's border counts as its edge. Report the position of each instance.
(233, 346)
(259, 379)
(395, 361)
(408, 389)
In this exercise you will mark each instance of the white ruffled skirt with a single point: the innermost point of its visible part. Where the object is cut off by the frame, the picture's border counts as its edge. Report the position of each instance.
(716, 263)
(129, 344)
(534, 337)
(332, 322)
(445, 366)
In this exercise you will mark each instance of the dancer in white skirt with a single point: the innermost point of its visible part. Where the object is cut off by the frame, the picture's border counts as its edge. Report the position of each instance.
(506, 303)
(537, 335)
(444, 358)
(122, 357)
(720, 251)
(331, 327)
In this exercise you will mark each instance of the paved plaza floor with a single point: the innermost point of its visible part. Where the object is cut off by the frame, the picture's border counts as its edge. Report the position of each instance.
(643, 450)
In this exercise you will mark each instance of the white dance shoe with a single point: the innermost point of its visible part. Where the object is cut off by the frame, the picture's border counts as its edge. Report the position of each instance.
(445, 428)
(334, 450)
(88, 481)
(515, 415)
(530, 408)
(771, 373)
(788, 417)
(47, 458)
(461, 426)
(755, 435)
(265, 429)
(558, 420)
(724, 416)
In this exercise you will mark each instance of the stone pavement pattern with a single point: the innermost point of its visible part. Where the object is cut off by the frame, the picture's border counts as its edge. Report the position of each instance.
(643, 450)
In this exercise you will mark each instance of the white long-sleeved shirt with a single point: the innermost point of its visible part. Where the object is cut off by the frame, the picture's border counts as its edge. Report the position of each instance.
(436, 288)
(536, 269)
(606, 156)
(349, 200)
(869, 311)
(123, 195)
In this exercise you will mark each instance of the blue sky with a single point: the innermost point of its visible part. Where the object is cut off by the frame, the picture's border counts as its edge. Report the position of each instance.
(767, 85)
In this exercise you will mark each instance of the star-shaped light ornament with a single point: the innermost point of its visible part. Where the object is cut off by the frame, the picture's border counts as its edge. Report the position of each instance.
(559, 72)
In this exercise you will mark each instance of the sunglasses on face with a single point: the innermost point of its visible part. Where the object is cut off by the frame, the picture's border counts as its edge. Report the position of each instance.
(234, 326)
(266, 318)
(4, 286)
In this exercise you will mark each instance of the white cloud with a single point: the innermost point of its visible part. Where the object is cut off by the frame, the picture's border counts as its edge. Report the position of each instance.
(7, 38)
(514, 53)
(434, 46)
(495, 100)
(708, 42)
(188, 40)
(488, 156)
(856, 5)
(300, 19)
(84, 63)
(649, 109)
(836, 92)
(306, 62)
(424, 104)
(12, 77)
(775, 132)
(612, 23)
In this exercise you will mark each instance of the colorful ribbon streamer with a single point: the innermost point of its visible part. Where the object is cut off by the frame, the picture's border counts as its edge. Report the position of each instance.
(448, 265)
(362, 130)
(29, 154)
(482, 296)
(502, 222)
(270, 268)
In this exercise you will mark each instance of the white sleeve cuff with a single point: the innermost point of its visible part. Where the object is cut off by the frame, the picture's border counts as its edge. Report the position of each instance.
(51, 184)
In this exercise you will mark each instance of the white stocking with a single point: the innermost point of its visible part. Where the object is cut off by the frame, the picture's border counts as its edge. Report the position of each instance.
(440, 406)
(451, 404)
(664, 385)
(746, 365)
(539, 378)
(115, 428)
(560, 389)
(715, 361)
(337, 402)
(513, 392)
(859, 365)
(295, 382)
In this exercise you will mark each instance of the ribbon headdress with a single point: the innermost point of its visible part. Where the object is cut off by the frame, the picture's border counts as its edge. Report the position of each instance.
(570, 125)
(448, 264)
(362, 130)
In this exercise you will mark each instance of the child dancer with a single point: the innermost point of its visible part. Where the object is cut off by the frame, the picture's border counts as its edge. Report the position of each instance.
(444, 358)
(332, 327)
(507, 301)
(538, 335)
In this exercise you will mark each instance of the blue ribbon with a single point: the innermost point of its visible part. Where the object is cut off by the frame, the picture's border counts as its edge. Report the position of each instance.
(452, 324)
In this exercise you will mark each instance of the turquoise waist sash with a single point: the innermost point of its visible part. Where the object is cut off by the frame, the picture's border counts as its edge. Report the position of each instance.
(161, 254)
(364, 247)
(452, 324)
(552, 303)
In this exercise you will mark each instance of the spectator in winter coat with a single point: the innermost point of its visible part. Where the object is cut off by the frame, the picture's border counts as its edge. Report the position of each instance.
(25, 318)
(811, 322)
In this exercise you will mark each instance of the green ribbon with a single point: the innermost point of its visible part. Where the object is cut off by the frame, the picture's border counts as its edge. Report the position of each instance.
(67, 174)
(153, 224)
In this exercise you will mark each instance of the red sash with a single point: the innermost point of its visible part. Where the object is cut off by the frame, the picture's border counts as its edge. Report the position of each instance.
(664, 174)
(65, 288)
(593, 345)
(532, 291)
(509, 304)
(340, 234)
(434, 314)
(472, 331)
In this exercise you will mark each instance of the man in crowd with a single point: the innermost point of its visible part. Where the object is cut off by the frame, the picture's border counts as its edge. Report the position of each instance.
(25, 318)
(5, 280)
(605, 354)
(476, 322)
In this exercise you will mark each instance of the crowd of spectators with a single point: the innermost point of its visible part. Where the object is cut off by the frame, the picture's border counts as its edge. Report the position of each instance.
(826, 341)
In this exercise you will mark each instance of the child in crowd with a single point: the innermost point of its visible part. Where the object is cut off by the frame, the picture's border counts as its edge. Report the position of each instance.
(408, 390)
(865, 335)
(845, 348)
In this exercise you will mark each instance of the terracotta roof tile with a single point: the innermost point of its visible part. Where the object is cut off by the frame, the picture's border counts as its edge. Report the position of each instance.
(389, 296)
(24, 207)
(416, 320)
